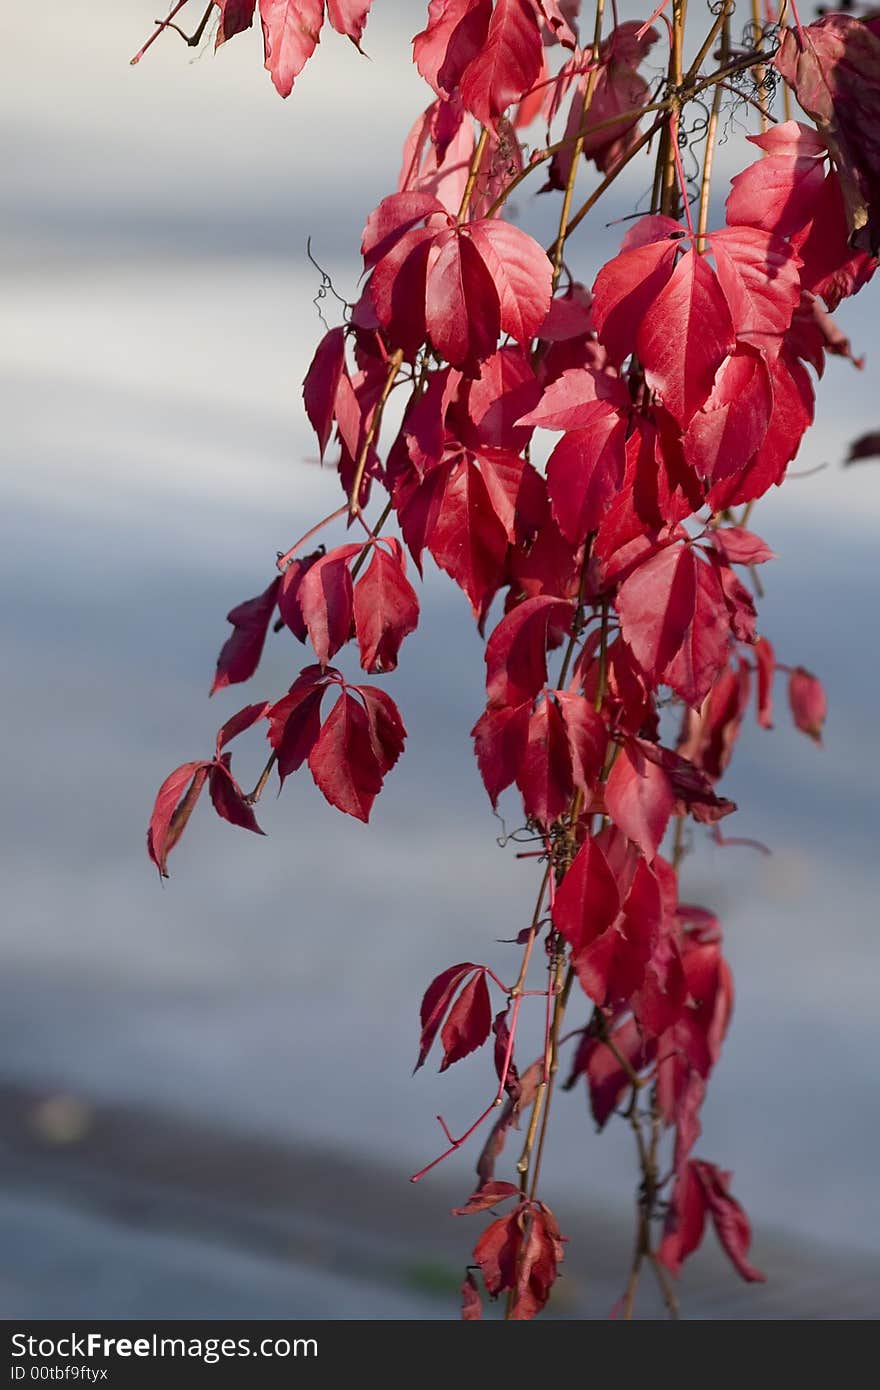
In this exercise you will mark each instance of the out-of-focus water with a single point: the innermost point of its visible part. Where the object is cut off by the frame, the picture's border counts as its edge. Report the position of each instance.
(159, 317)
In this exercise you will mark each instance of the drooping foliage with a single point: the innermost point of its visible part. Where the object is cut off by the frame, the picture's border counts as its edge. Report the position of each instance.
(615, 583)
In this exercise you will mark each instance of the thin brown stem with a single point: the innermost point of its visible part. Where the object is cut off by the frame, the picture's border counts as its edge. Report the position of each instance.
(383, 517)
(665, 1284)
(253, 797)
(609, 178)
(161, 26)
(474, 170)
(708, 158)
(394, 364)
(552, 1064)
(578, 149)
(760, 70)
(284, 560)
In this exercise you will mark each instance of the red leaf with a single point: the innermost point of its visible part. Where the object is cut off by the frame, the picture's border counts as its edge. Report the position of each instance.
(588, 899)
(831, 268)
(766, 662)
(585, 472)
(387, 734)
(568, 403)
(733, 421)
(792, 413)
(435, 1004)
(386, 609)
(228, 799)
(506, 64)
(777, 193)
(455, 34)
(347, 761)
(175, 802)
(396, 215)
(437, 154)
(463, 532)
(397, 289)
(709, 735)
(684, 336)
(624, 291)
(544, 774)
(462, 310)
(540, 1255)
(607, 1079)
(639, 798)
(833, 67)
(516, 653)
(619, 91)
(288, 595)
(235, 17)
(674, 619)
(469, 1022)
(517, 493)
(499, 744)
(496, 1253)
(808, 703)
(349, 17)
(322, 383)
(521, 272)
(295, 721)
(240, 655)
(730, 1221)
(471, 1304)
(612, 967)
(656, 607)
(504, 391)
(489, 1195)
(587, 738)
(758, 273)
(238, 723)
(737, 546)
(291, 30)
(326, 599)
(685, 1221)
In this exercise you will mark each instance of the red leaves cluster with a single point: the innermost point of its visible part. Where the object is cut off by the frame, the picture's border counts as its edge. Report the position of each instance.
(291, 30)
(317, 599)
(679, 389)
(702, 1190)
(833, 67)
(351, 751)
(468, 1019)
(519, 1253)
(618, 92)
(459, 286)
(178, 794)
(487, 51)
(349, 754)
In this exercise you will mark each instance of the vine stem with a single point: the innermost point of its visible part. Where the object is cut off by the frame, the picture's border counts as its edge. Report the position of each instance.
(473, 171)
(373, 533)
(253, 797)
(708, 158)
(162, 25)
(691, 88)
(284, 560)
(395, 362)
(760, 70)
(578, 149)
(516, 994)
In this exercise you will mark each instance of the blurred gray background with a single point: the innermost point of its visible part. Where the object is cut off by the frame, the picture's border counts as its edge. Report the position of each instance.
(206, 1105)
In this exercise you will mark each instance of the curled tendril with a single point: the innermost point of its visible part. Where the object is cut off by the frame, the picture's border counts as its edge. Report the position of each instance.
(325, 288)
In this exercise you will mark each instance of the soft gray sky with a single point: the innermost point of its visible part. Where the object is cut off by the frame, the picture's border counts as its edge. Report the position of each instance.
(158, 320)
